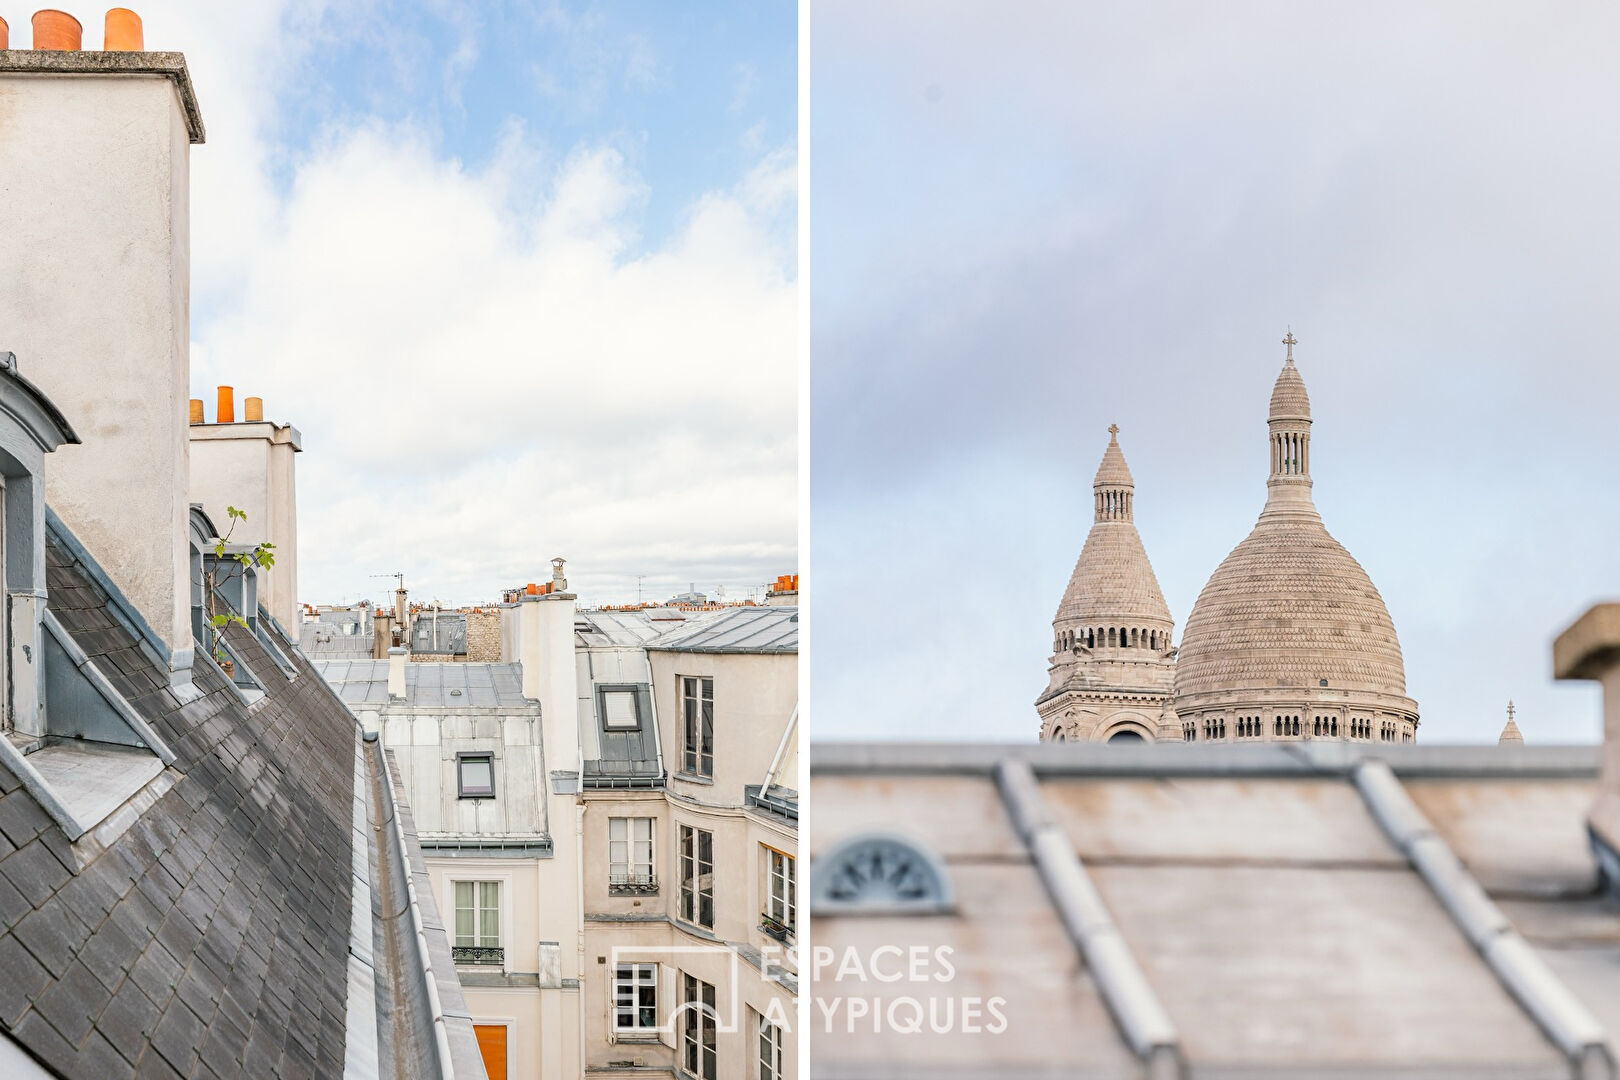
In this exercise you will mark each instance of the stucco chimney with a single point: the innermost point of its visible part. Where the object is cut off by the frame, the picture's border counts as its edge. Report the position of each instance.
(1590, 649)
(252, 466)
(546, 648)
(95, 291)
(396, 672)
(382, 633)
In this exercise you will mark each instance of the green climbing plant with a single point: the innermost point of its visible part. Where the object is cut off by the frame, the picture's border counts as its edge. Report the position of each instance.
(263, 556)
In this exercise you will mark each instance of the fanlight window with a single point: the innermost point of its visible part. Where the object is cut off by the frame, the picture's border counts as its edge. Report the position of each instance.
(879, 874)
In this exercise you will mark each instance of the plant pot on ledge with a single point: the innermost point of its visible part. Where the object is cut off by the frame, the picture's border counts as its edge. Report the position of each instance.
(774, 929)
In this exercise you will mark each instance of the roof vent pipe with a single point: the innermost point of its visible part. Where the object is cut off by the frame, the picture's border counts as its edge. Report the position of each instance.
(225, 412)
(57, 31)
(123, 31)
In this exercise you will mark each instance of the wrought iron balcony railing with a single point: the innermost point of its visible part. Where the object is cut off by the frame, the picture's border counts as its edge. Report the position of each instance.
(478, 955)
(633, 883)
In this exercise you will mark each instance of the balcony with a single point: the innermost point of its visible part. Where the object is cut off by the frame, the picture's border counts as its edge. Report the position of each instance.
(622, 773)
(478, 955)
(636, 883)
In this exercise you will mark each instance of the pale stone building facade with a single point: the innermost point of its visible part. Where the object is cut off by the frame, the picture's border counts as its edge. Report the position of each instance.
(1289, 640)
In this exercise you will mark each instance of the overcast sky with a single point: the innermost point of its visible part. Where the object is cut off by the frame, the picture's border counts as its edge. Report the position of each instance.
(523, 275)
(1032, 220)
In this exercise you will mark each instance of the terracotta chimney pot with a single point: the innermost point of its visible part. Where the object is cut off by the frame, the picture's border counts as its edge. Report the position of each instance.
(5, 35)
(225, 412)
(253, 409)
(57, 31)
(123, 31)
(196, 410)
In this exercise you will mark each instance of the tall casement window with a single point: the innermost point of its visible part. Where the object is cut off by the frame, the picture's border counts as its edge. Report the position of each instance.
(697, 726)
(635, 999)
(770, 1049)
(698, 1050)
(478, 923)
(697, 876)
(781, 890)
(630, 852)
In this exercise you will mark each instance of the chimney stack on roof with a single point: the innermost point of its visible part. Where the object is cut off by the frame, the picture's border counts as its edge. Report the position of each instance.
(108, 135)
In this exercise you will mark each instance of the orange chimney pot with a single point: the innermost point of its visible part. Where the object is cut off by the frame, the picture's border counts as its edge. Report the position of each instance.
(57, 31)
(253, 409)
(196, 410)
(225, 412)
(123, 33)
(5, 35)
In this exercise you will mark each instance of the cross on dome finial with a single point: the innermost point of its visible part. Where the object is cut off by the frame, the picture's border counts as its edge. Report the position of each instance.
(1290, 341)
(1113, 430)
(1510, 708)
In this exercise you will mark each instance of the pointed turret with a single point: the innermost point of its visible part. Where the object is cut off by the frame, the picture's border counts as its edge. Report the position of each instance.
(1511, 736)
(1112, 631)
(1289, 484)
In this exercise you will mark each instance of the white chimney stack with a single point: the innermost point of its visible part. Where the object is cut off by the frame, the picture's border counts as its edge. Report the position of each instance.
(549, 675)
(396, 673)
(95, 292)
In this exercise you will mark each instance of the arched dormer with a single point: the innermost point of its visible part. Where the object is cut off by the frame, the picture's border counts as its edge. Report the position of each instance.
(880, 874)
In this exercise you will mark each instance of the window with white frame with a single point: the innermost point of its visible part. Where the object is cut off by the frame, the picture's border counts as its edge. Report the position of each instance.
(478, 923)
(630, 852)
(770, 1048)
(697, 876)
(781, 891)
(635, 999)
(697, 726)
(699, 1052)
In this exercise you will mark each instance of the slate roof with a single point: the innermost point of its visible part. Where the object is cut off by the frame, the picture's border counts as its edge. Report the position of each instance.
(738, 630)
(211, 937)
(1312, 909)
(431, 685)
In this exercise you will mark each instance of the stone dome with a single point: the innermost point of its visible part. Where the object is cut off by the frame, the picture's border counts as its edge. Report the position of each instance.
(1289, 607)
(1113, 579)
(1290, 620)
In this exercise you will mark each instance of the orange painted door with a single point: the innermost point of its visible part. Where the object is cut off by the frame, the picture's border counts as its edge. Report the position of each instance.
(492, 1044)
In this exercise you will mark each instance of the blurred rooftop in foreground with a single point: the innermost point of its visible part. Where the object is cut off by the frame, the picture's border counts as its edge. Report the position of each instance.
(1290, 909)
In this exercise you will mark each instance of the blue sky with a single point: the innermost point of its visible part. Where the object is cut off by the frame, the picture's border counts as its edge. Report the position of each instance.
(524, 275)
(690, 93)
(1031, 221)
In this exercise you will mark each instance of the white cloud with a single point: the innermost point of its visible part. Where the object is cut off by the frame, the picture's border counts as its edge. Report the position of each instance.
(485, 378)
(487, 367)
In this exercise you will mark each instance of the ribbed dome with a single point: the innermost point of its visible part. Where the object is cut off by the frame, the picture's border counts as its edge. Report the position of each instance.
(1113, 472)
(1288, 398)
(1290, 607)
(1287, 608)
(1112, 580)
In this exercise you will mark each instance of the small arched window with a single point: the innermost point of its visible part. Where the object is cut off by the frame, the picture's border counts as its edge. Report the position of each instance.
(879, 874)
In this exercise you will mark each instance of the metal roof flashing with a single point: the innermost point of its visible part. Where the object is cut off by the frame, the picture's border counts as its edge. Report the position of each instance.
(169, 65)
